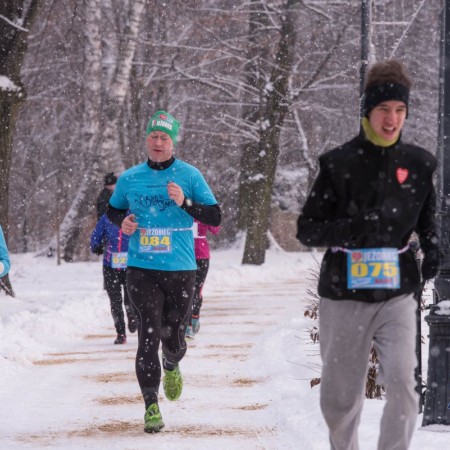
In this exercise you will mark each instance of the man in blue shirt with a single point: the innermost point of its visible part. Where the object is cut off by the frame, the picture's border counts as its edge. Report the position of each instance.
(163, 195)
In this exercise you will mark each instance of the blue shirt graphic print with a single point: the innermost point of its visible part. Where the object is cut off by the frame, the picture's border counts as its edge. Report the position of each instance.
(143, 191)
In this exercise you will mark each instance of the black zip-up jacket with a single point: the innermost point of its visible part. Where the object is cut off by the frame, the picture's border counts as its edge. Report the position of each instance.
(370, 197)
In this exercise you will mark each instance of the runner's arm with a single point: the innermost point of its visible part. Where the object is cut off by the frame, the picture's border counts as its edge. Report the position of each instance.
(115, 215)
(318, 224)
(207, 214)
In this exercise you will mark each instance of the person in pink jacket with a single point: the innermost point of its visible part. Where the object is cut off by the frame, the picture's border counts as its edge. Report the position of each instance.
(202, 255)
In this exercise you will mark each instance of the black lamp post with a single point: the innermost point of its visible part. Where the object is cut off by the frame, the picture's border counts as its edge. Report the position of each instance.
(366, 17)
(437, 395)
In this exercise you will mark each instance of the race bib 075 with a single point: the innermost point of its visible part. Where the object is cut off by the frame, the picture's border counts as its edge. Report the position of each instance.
(373, 268)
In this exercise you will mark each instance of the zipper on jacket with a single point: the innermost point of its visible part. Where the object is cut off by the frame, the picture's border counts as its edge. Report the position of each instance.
(385, 155)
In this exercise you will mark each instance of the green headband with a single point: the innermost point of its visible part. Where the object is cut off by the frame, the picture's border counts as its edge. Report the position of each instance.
(163, 121)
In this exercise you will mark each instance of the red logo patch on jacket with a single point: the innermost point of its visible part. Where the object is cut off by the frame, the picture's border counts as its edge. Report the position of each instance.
(356, 256)
(402, 175)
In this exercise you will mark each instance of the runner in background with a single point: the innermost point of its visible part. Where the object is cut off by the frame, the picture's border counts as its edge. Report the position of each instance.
(164, 195)
(110, 181)
(109, 240)
(4, 255)
(5, 264)
(202, 255)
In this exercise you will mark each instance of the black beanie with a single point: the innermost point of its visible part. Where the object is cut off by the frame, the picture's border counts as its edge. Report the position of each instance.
(376, 94)
(110, 179)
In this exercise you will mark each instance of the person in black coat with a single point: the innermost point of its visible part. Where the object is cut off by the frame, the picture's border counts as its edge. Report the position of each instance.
(370, 195)
(110, 181)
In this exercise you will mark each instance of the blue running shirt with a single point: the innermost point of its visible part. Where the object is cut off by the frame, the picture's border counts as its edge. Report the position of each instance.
(164, 239)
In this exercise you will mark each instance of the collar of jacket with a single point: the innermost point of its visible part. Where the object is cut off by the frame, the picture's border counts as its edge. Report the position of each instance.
(368, 134)
(160, 165)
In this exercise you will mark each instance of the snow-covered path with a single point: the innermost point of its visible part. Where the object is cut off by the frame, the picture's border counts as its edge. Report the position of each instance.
(84, 394)
(64, 385)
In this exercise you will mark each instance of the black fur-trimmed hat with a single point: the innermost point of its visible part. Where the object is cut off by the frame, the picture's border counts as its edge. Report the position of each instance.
(386, 80)
(110, 179)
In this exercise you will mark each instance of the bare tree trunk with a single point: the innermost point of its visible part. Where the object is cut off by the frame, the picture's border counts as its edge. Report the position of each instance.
(257, 55)
(83, 203)
(109, 157)
(15, 21)
(116, 93)
(262, 159)
(16, 17)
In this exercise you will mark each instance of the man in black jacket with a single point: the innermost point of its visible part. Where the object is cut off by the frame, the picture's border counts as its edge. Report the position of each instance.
(110, 181)
(370, 195)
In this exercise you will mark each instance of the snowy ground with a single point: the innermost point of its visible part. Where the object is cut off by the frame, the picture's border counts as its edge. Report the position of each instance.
(64, 385)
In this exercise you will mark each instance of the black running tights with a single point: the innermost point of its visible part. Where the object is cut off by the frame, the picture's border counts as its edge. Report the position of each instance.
(200, 277)
(114, 280)
(162, 301)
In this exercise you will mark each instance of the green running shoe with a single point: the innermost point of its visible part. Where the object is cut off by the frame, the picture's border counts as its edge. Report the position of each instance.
(153, 419)
(173, 383)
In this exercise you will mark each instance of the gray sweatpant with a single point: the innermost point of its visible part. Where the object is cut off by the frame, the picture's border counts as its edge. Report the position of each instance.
(347, 330)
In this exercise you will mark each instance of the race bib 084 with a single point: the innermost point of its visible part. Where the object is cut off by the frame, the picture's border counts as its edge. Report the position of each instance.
(373, 268)
(155, 240)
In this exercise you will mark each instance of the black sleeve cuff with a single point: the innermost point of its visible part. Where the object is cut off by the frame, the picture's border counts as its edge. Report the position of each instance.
(207, 214)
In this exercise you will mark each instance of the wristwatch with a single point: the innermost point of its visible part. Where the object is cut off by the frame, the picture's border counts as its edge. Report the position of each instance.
(187, 202)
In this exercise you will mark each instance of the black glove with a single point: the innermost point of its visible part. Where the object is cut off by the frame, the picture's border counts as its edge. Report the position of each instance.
(365, 222)
(98, 250)
(430, 264)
